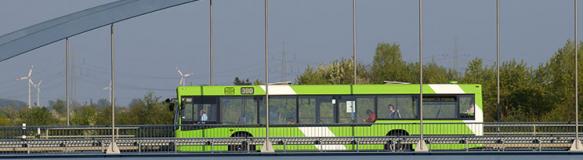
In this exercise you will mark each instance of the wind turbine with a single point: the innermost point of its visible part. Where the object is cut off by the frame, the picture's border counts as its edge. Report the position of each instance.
(182, 77)
(37, 86)
(29, 78)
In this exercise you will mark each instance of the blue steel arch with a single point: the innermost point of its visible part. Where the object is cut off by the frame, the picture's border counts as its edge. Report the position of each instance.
(47, 32)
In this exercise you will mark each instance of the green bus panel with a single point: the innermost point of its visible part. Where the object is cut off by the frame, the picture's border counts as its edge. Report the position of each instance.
(379, 128)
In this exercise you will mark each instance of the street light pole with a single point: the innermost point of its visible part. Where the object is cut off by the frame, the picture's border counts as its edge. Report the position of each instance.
(67, 80)
(421, 146)
(576, 146)
(210, 42)
(112, 149)
(354, 63)
(267, 146)
(498, 114)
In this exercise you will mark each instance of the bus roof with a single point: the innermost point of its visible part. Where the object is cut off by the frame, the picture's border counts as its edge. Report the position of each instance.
(360, 89)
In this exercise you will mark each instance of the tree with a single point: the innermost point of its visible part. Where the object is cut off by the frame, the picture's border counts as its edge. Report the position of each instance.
(311, 76)
(58, 106)
(148, 110)
(523, 98)
(557, 79)
(37, 116)
(388, 65)
(338, 72)
(85, 115)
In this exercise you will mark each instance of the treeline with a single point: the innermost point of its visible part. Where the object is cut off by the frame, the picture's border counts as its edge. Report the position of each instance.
(146, 110)
(544, 92)
(528, 93)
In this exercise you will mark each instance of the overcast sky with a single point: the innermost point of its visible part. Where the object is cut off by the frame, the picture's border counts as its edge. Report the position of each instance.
(150, 47)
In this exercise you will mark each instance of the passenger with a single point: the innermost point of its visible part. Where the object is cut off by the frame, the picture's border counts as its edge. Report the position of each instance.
(470, 110)
(394, 112)
(372, 117)
(203, 116)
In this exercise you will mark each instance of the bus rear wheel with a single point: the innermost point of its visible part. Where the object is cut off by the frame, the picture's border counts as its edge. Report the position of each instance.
(243, 146)
(398, 146)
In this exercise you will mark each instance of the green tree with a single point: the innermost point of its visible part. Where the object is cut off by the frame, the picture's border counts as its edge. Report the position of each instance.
(523, 98)
(148, 110)
(37, 116)
(85, 115)
(58, 106)
(557, 78)
(338, 72)
(388, 65)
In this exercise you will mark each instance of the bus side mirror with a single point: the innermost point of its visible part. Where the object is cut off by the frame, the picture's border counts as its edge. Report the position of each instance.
(171, 103)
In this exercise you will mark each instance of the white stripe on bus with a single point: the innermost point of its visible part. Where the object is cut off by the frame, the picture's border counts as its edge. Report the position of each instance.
(446, 88)
(279, 90)
(321, 132)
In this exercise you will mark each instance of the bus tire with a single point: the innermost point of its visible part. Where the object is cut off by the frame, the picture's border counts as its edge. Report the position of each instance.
(243, 147)
(398, 146)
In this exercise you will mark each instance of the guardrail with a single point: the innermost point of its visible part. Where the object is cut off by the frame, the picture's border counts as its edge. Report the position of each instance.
(162, 138)
(136, 131)
(486, 143)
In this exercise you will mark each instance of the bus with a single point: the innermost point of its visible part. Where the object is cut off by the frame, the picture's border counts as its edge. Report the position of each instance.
(327, 111)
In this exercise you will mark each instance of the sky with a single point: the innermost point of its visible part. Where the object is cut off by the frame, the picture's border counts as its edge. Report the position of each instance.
(149, 48)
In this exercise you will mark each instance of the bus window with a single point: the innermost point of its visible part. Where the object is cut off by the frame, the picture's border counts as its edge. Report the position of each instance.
(363, 105)
(206, 110)
(307, 110)
(325, 109)
(188, 113)
(396, 107)
(317, 109)
(440, 107)
(208, 113)
(199, 109)
(282, 110)
(467, 107)
(238, 110)
(346, 110)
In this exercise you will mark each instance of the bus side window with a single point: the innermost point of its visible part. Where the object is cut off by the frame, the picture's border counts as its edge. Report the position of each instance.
(396, 107)
(467, 107)
(207, 112)
(363, 105)
(238, 110)
(282, 110)
(307, 109)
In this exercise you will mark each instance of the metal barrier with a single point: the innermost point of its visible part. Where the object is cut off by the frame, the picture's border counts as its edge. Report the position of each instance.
(348, 137)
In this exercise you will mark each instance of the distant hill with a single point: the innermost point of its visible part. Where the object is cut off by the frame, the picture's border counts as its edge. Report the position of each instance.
(9, 102)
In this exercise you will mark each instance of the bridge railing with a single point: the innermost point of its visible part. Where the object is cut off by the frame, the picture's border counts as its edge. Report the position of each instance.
(356, 130)
(351, 137)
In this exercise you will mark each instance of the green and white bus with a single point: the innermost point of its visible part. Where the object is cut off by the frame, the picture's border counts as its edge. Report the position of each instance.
(327, 111)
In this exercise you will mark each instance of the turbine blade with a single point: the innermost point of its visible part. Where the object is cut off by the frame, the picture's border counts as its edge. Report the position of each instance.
(30, 71)
(179, 72)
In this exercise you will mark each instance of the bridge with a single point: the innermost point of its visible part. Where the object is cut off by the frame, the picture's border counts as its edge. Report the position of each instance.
(498, 137)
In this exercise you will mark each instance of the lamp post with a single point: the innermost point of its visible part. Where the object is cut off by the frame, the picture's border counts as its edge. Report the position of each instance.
(576, 146)
(267, 146)
(112, 149)
(421, 146)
